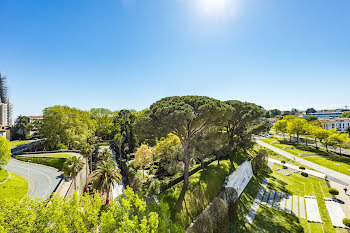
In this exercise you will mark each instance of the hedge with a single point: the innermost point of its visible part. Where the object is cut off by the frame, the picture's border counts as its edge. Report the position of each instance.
(333, 191)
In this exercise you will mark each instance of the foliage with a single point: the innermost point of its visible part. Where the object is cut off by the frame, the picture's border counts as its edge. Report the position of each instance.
(301, 167)
(103, 119)
(86, 152)
(345, 114)
(333, 191)
(21, 129)
(186, 117)
(154, 187)
(52, 162)
(304, 174)
(273, 113)
(259, 162)
(64, 125)
(144, 157)
(5, 151)
(346, 222)
(310, 110)
(241, 123)
(106, 176)
(169, 152)
(124, 123)
(297, 126)
(71, 168)
(281, 127)
(203, 188)
(83, 214)
(310, 118)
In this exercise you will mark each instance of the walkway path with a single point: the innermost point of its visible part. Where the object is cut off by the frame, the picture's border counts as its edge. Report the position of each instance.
(254, 209)
(331, 174)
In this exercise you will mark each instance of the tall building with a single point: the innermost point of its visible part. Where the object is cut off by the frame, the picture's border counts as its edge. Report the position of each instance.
(5, 105)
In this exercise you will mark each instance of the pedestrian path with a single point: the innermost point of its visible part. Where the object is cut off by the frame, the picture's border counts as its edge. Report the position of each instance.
(277, 200)
(254, 209)
(312, 211)
(283, 202)
(295, 205)
(335, 212)
(302, 207)
(266, 196)
(271, 198)
(289, 204)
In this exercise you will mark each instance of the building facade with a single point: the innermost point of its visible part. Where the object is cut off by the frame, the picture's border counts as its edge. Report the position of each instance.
(324, 115)
(340, 124)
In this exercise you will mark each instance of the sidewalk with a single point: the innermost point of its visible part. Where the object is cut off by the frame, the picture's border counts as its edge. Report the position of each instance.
(338, 177)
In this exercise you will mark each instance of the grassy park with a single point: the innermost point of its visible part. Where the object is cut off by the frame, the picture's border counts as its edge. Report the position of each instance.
(335, 162)
(13, 189)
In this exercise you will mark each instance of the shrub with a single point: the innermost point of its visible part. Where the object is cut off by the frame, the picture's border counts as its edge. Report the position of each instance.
(301, 167)
(52, 162)
(61, 147)
(154, 187)
(283, 162)
(333, 191)
(304, 174)
(346, 222)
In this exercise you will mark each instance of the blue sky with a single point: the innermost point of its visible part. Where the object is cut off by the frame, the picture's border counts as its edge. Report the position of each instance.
(129, 53)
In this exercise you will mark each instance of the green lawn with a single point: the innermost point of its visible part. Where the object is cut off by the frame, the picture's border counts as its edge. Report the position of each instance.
(48, 155)
(3, 174)
(14, 189)
(204, 187)
(17, 143)
(335, 162)
(52, 162)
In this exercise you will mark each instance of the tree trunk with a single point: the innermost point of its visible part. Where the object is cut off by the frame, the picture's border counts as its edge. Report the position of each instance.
(107, 199)
(327, 147)
(143, 173)
(75, 183)
(91, 162)
(340, 150)
(87, 170)
(316, 143)
(186, 162)
(202, 164)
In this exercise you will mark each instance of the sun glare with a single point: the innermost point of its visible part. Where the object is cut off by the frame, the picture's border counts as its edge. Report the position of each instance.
(221, 9)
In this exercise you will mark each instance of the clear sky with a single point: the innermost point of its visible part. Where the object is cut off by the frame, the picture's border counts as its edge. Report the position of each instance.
(129, 53)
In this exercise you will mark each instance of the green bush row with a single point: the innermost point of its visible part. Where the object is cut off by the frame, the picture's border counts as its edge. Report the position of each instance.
(52, 162)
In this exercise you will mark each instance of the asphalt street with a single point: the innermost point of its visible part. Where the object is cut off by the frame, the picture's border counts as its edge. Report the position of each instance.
(42, 180)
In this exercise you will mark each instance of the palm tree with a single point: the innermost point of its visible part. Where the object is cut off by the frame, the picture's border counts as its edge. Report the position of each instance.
(106, 176)
(119, 139)
(105, 155)
(71, 168)
(86, 151)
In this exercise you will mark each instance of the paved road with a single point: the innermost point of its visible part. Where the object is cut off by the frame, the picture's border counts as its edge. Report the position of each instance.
(42, 180)
(331, 174)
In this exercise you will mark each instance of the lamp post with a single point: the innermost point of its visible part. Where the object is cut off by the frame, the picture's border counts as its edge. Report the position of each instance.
(28, 167)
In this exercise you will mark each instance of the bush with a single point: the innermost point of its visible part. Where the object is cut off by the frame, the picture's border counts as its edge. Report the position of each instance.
(283, 162)
(346, 222)
(304, 174)
(333, 191)
(301, 167)
(61, 147)
(52, 162)
(154, 187)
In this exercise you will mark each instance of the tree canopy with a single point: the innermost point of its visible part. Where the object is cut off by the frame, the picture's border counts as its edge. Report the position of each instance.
(5, 151)
(345, 114)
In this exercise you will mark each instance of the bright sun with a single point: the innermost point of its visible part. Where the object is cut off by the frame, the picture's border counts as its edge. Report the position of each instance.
(217, 8)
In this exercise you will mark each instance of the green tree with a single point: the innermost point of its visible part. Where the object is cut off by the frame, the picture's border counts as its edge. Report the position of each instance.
(5, 151)
(281, 127)
(71, 168)
(124, 123)
(323, 136)
(337, 140)
(104, 122)
(105, 155)
(186, 117)
(241, 123)
(22, 128)
(86, 152)
(311, 118)
(143, 157)
(106, 176)
(310, 110)
(345, 114)
(68, 126)
(297, 126)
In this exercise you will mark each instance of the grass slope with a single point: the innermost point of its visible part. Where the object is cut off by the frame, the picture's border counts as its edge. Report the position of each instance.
(48, 155)
(335, 162)
(18, 143)
(14, 189)
(3, 174)
(52, 162)
(204, 187)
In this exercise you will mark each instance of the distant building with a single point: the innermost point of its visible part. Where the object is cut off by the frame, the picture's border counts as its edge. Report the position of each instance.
(5, 132)
(341, 124)
(324, 115)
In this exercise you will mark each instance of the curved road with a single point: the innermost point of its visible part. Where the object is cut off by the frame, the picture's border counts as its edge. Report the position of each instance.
(42, 180)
